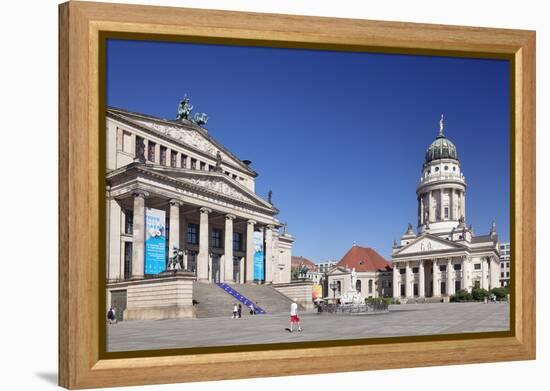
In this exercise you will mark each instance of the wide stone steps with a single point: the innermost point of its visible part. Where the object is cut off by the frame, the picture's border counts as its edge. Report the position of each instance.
(212, 301)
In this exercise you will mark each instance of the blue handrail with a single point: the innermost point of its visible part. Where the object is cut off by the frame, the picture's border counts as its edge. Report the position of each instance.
(240, 297)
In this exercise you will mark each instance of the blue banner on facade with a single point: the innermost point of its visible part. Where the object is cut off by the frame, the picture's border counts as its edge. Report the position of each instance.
(259, 256)
(155, 241)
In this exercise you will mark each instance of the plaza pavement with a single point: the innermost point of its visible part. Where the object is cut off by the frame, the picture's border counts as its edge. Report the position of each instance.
(401, 320)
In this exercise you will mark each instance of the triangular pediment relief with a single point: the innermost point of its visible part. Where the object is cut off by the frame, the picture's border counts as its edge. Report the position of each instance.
(212, 182)
(189, 135)
(338, 270)
(428, 243)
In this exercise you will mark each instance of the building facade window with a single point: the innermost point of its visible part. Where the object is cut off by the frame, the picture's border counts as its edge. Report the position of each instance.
(446, 213)
(192, 260)
(370, 286)
(216, 238)
(162, 156)
(183, 161)
(415, 270)
(457, 266)
(442, 268)
(402, 271)
(237, 241)
(477, 266)
(139, 142)
(203, 166)
(128, 221)
(151, 151)
(173, 159)
(193, 164)
(193, 233)
(358, 286)
(127, 260)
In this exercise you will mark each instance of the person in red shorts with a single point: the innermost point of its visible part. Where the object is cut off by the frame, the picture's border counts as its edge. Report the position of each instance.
(294, 318)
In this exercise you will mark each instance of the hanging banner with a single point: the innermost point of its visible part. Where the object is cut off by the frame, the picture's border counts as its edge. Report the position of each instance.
(258, 256)
(155, 241)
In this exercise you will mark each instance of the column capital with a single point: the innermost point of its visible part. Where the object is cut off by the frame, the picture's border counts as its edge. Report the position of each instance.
(252, 222)
(140, 193)
(205, 210)
(229, 216)
(175, 202)
(270, 226)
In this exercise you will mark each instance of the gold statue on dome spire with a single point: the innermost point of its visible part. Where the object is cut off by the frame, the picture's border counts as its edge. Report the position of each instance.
(441, 126)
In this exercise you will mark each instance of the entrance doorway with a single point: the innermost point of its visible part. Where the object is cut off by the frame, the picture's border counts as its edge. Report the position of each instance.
(237, 269)
(443, 288)
(215, 268)
(457, 286)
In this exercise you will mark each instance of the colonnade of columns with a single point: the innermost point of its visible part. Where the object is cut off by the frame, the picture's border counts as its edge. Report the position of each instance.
(203, 257)
(428, 201)
(489, 276)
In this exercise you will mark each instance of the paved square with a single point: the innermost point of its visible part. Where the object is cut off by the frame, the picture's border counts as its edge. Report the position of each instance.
(401, 320)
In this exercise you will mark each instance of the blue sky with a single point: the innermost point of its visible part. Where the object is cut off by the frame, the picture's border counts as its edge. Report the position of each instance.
(339, 137)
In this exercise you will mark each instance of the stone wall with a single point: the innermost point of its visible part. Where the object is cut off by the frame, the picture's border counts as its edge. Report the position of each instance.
(300, 290)
(169, 297)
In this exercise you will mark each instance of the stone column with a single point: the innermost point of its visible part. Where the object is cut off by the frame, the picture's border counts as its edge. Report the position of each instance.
(241, 270)
(450, 279)
(421, 280)
(396, 282)
(174, 237)
(422, 208)
(494, 268)
(204, 246)
(463, 204)
(228, 247)
(408, 280)
(250, 250)
(431, 216)
(138, 244)
(452, 204)
(466, 278)
(436, 275)
(115, 265)
(269, 253)
(441, 207)
(483, 273)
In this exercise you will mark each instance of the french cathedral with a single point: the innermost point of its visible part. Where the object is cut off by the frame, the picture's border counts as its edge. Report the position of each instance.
(443, 255)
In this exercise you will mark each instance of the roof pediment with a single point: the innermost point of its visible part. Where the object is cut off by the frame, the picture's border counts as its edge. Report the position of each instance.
(187, 133)
(213, 183)
(427, 243)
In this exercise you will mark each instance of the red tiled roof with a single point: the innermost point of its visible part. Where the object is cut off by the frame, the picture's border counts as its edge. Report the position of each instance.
(364, 259)
(297, 261)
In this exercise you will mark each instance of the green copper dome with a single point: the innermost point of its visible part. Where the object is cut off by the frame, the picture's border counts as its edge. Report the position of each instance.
(442, 147)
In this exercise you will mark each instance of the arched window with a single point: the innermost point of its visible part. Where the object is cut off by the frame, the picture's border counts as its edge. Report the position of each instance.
(358, 285)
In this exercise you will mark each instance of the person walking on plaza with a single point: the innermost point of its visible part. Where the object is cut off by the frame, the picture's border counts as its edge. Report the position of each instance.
(294, 318)
(111, 315)
(240, 311)
(252, 309)
(235, 311)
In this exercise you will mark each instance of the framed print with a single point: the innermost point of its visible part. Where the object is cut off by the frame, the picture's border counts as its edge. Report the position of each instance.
(263, 189)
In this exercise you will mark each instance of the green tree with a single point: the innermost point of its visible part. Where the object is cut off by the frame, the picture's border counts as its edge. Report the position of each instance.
(479, 294)
(500, 293)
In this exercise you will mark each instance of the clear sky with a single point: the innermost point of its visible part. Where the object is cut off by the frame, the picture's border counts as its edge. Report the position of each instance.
(339, 137)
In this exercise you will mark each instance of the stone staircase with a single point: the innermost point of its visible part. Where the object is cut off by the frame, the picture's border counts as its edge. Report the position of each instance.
(212, 301)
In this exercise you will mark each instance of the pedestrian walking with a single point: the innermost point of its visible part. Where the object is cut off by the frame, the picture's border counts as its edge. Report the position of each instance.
(235, 311)
(240, 310)
(252, 309)
(111, 315)
(294, 318)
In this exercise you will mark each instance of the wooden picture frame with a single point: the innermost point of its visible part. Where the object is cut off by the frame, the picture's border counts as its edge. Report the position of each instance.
(81, 25)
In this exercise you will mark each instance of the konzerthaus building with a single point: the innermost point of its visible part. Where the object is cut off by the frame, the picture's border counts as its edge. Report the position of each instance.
(172, 189)
(444, 255)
